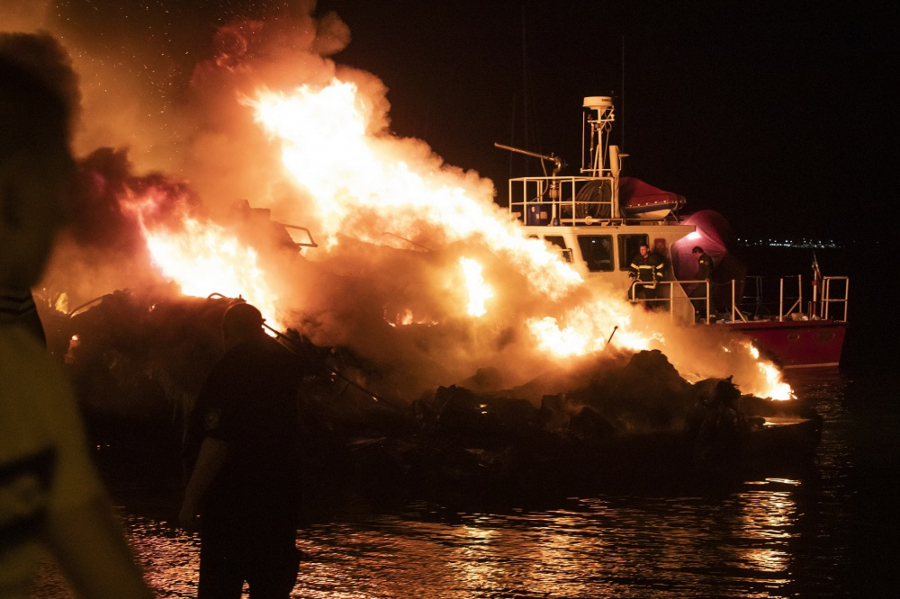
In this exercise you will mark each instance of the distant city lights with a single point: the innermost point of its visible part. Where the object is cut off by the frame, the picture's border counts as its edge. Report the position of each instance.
(814, 244)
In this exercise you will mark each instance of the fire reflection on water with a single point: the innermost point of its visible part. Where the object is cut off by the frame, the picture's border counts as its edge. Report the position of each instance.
(474, 561)
(739, 546)
(770, 516)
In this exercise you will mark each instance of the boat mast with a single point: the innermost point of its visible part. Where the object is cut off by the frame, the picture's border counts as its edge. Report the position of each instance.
(598, 157)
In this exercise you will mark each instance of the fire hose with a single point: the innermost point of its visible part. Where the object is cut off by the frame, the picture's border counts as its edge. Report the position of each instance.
(299, 349)
(332, 371)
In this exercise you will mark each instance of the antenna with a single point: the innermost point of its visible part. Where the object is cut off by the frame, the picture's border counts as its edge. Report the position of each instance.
(525, 140)
(622, 103)
(598, 116)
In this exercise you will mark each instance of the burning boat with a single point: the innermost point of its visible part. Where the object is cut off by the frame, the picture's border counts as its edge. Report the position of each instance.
(418, 281)
(621, 419)
(599, 218)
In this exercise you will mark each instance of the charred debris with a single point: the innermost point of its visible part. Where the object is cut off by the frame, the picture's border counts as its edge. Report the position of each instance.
(137, 365)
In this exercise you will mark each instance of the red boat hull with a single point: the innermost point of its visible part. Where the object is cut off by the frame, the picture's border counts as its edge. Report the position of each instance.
(798, 344)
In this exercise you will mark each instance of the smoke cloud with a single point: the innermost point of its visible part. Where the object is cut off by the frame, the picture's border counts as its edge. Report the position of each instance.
(166, 131)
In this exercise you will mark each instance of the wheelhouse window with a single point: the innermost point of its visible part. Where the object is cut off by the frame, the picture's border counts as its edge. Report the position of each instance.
(597, 252)
(559, 242)
(629, 247)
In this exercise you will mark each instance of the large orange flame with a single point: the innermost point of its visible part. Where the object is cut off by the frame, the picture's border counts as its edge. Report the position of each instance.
(202, 258)
(363, 181)
(367, 183)
(356, 176)
(479, 292)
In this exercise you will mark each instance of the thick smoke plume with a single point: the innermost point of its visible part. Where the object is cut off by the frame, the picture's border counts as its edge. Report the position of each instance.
(170, 135)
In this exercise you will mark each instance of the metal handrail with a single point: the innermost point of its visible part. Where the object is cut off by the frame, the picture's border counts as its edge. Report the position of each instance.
(308, 244)
(671, 299)
(757, 297)
(798, 304)
(705, 297)
(736, 313)
(563, 192)
(827, 300)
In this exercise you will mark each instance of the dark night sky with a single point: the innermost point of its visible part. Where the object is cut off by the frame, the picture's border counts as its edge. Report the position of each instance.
(772, 113)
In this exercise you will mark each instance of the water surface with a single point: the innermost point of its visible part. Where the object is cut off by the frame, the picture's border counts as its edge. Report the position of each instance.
(815, 530)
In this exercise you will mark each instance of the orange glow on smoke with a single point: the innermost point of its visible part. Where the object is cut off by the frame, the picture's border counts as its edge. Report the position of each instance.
(358, 177)
(408, 318)
(363, 182)
(367, 183)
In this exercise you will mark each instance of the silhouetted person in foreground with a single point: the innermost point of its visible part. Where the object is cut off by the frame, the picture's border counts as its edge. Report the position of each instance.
(17, 307)
(50, 494)
(244, 485)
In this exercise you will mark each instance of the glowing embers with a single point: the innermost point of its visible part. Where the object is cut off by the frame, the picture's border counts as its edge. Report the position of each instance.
(62, 303)
(74, 341)
(407, 318)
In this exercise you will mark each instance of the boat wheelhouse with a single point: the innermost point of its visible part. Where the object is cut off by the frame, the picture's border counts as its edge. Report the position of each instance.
(598, 220)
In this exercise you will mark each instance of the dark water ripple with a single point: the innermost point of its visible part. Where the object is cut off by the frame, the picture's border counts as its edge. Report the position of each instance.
(783, 534)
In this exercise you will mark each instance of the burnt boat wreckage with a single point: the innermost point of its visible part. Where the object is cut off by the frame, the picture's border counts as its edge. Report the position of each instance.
(137, 364)
(138, 360)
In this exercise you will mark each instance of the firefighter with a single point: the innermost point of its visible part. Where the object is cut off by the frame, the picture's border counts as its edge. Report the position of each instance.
(244, 480)
(704, 273)
(646, 271)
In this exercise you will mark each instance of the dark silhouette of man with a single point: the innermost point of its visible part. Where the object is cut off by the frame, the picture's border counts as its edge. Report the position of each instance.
(17, 306)
(244, 485)
(51, 497)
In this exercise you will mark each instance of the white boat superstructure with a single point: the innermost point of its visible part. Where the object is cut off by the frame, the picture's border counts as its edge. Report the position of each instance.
(585, 218)
(598, 220)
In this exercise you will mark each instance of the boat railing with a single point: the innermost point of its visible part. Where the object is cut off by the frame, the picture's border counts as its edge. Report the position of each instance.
(301, 236)
(670, 294)
(563, 201)
(797, 306)
(829, 296)
(841, 294)
(834, 290)
(758, 302)
(754, 283)
(735, 311)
